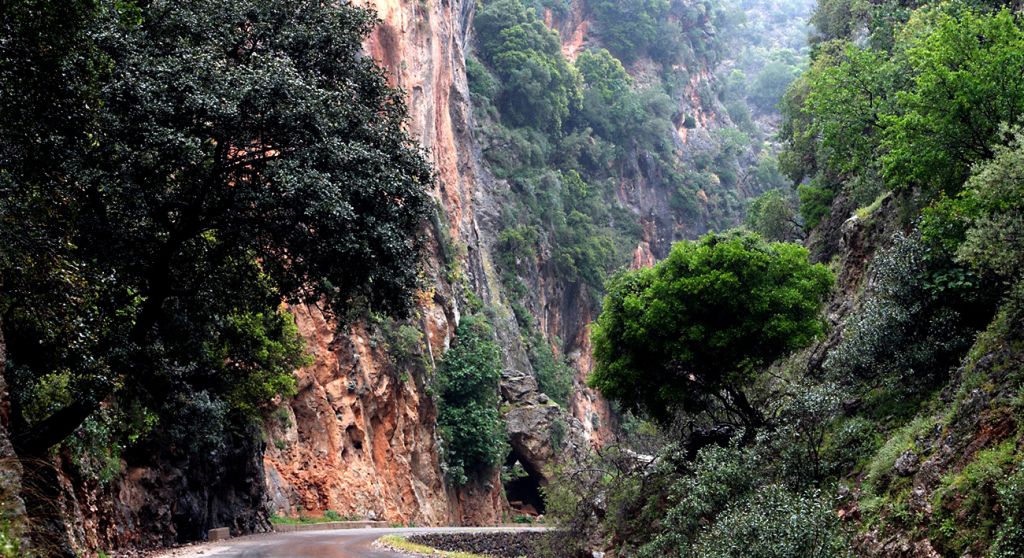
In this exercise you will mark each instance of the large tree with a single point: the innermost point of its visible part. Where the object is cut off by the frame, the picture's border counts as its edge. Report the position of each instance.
(691, 333)
(173, 170)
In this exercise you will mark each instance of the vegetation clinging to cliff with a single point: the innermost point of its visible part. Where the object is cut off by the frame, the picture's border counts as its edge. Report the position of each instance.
(467, 391)
(172, 171)
(915, 113)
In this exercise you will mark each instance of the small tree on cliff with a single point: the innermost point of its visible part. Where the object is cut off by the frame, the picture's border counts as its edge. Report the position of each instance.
(467, 389)
(691, 333)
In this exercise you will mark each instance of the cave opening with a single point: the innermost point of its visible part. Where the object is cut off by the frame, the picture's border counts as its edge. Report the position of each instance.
(522, 485)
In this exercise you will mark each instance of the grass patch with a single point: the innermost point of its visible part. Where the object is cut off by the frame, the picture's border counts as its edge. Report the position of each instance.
(880, 468)
(328, 517)
(866, 212)
(404, 545)
(966, 502)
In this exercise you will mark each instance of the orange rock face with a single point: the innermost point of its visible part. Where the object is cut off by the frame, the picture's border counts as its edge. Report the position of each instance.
(359, 437)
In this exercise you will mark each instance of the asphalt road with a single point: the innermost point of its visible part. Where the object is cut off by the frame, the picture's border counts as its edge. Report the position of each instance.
(347, 543)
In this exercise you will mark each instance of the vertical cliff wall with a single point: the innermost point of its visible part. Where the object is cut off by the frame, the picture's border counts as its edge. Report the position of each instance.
(360, 437)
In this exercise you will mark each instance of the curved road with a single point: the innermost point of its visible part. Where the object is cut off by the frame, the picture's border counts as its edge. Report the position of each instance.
(345, 543)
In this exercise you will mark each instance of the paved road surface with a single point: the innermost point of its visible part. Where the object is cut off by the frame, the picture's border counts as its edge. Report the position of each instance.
(347, 543)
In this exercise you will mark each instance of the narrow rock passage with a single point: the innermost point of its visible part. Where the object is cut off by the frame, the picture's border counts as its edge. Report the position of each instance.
(351, 543)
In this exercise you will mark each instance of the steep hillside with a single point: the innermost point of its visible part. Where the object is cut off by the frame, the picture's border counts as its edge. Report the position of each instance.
(895, 432)
(350, 436)
(534, 207)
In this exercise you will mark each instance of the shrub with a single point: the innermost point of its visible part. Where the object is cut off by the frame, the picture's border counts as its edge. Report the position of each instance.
(538, 85)
(913, 322)
(775, 523)
(815, 203)
(629, 28)
(467, 389)
(773, 215)
(1009, 537)
(554, 376)
(705, 321)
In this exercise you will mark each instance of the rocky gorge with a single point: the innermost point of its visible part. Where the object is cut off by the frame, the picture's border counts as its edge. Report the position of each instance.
(359, 438)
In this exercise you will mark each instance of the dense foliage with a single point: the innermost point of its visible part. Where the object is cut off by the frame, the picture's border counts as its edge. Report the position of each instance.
(538, 85)
(694, 330)
(172, 171)
(467, 394)
(912, 113)
(766, 498)
(774, 216)
(667, 31)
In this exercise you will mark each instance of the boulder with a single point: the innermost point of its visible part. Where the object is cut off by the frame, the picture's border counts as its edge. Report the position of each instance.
(518, 387)
(906, 464)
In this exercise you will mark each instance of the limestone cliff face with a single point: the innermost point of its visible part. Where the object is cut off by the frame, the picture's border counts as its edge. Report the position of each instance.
(359, 438)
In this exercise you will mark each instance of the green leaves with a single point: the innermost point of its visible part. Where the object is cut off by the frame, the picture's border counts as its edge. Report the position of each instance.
(198, 163)
(965, 66)
(467, 390)
(539, 87)
(630, 28)
(910, 114)
(704, 320)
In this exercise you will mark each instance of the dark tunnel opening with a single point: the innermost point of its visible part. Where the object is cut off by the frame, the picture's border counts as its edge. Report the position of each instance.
(522, 486)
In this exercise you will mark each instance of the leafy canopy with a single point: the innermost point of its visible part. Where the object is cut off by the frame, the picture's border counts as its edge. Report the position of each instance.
(961, 94)
(467, 388)
(773, 215)
(630, 28)
(172, 171)
(704, 321)
(539, 86)
(911, 113)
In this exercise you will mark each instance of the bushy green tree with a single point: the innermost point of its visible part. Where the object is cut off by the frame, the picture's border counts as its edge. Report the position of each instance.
(851, 91)
(984, 223)
(467, 392)
(770, 85)
(773, 215)
(610, 106)
(991, 212)
(172, 171)
(539, 86)
(694, 331)
(961, 93)
(815, 203)
(913, 113)
(628, 29)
